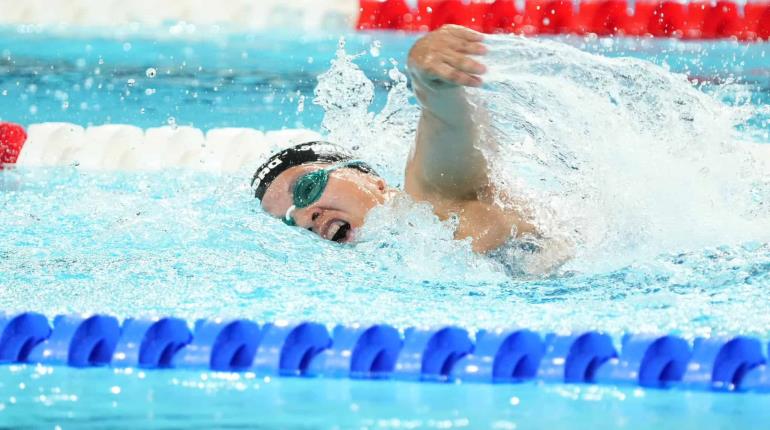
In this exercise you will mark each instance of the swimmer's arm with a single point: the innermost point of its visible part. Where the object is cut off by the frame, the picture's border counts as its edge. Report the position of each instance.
(446, 159)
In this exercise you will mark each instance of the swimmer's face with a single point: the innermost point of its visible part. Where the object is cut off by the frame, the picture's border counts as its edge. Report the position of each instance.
(342, 208)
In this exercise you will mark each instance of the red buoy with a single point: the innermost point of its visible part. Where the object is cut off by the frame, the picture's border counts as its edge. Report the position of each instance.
(693, 19)
(643, 13)
(602, 17)
(12, 138)
(721, 20)
(757, 21)
(668, 19)
(389, 14)
(503, 17)
(548, 17)
(473, 14)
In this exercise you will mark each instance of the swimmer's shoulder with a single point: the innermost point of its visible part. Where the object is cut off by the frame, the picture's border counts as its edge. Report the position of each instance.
(482, 219)
(488, 225)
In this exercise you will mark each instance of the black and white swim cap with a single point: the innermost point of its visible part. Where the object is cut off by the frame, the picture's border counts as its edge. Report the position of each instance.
(304, 153)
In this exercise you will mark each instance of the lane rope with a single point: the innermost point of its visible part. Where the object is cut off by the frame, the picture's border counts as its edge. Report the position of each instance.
(380, 351)
(658, 18)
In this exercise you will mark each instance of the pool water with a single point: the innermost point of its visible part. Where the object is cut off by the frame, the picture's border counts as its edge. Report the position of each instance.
(44, 397)
(196, 245)
(219, 79)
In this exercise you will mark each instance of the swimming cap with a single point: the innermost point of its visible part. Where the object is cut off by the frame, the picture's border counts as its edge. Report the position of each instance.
(304, 153)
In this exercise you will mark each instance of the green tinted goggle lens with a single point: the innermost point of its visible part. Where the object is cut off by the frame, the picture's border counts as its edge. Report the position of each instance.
(311, 186)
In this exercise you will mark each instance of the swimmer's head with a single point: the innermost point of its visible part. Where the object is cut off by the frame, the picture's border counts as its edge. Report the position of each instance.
(320, 187)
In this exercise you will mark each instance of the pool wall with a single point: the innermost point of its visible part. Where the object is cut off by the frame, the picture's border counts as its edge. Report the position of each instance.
(380, 351)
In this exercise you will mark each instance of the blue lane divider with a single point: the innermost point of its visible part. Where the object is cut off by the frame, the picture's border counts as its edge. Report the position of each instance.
(287, 349)
(648, 360)
(227, 346)
(359, 352)
(757, 379)
(380, 351)
(150, 343)
(722, 363)
(79, 342)
(431, 354)
(575, 357)
(18, 335)
(502, 356)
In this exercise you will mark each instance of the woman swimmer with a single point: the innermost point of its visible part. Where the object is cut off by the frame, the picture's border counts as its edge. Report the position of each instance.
(318, 186)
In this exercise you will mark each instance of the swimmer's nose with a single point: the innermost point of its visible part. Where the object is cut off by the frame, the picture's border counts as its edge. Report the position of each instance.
(315, 225)
(308, 218)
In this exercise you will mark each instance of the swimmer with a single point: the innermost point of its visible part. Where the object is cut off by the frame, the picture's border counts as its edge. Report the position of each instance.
(321, 187)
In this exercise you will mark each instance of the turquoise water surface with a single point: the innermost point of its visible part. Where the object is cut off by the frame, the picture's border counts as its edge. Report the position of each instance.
(196, 245)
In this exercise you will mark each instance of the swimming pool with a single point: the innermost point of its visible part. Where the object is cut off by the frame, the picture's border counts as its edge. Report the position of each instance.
(194, 245)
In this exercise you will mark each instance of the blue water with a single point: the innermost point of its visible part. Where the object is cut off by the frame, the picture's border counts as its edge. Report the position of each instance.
(254, 80)
(195, 245)
(45, 397)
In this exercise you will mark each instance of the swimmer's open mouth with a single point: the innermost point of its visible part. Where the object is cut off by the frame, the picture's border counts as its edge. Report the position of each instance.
(341, 233)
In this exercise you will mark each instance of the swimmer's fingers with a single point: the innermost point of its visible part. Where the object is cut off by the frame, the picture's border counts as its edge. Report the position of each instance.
(444, 54)
(463, 33)
(449, 73)
(463, 46)
(472, 48)
(465, 64)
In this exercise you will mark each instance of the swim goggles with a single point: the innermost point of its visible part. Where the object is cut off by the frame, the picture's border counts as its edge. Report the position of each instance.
(311, 186)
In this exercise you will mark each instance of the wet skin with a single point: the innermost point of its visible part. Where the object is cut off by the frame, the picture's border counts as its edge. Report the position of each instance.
(342, 208)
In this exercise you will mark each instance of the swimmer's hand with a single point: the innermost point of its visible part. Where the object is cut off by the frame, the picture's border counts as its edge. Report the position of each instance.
(443, 56)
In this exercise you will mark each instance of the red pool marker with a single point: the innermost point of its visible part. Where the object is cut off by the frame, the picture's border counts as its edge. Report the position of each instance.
(602, 17)
(693, 19)
(12, 138)
(548, 17)
(503, 17)
(668, 19)
(472, 15)
(385, 15)
(757, 21)
(721, 20)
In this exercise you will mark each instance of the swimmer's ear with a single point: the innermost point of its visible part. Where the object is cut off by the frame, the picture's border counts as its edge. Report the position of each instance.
(381, 185)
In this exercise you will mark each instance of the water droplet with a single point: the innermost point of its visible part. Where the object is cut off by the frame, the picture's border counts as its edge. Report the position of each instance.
(374, 50)
(151, 72)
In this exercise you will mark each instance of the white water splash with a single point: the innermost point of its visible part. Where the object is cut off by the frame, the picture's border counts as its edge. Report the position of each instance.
(384, 138)
(619, 156)
(406, 237)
